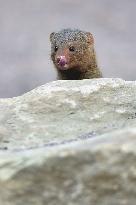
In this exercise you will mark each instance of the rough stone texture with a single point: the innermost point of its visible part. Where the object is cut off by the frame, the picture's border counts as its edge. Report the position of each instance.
(98, 171)
(64, 110)
(69, 143)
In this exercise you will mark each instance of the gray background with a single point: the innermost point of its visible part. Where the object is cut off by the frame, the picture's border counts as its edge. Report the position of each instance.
(25, 26)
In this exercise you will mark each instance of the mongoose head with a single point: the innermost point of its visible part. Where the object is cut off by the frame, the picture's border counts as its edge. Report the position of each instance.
(71, 49)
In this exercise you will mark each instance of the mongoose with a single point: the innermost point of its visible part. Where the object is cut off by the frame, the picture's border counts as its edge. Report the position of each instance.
(73, 54)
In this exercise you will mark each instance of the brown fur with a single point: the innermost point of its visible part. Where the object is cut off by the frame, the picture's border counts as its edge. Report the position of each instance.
(81, 63)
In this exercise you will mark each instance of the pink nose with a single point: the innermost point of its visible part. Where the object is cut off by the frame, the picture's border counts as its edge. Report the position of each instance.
(61, 60)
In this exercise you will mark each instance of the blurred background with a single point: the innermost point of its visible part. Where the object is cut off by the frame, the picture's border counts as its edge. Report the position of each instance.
(25, 26)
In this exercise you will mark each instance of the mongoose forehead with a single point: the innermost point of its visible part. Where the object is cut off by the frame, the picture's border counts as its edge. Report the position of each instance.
(69, 35)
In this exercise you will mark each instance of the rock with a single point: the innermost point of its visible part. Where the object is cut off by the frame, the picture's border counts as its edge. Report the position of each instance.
(100, 171)
(69, 142)
(65, 111)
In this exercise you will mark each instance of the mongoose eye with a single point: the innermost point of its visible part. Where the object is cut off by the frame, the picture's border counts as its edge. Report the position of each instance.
(56, 48)
(72, 48)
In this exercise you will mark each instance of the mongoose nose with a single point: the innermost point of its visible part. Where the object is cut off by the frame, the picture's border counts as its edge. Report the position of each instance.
(61, 60)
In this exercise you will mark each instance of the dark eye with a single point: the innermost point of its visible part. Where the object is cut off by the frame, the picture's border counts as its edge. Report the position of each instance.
(72, 48)
(56, 48)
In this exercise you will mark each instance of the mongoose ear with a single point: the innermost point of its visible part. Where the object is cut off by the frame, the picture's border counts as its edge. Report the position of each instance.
(51, 36)
(90, 38)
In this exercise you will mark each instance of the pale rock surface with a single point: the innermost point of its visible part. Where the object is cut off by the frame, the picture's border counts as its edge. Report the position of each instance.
(69, 143)
(66, 110)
